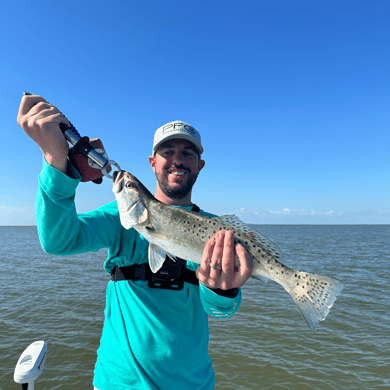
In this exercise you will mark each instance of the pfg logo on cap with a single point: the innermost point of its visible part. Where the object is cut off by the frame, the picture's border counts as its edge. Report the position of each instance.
(179, 126)
(177, 129)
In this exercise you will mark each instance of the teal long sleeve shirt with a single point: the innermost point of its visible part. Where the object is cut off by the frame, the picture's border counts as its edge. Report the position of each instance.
(152, 338)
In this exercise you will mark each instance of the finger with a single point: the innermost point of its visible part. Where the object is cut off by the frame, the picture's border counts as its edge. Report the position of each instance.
(27, 103)
(39, 107)
(50, 111)
(216, 259)
(203, 271)
(227, 274)
(228, 253)
(207, 255)
(51, 115)
(246, 265)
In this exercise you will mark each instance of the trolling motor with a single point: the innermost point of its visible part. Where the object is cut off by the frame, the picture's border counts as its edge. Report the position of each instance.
(30, 364)
(87, 156)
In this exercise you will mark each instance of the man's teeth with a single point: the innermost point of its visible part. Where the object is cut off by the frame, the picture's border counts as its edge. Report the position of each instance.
(177, 173)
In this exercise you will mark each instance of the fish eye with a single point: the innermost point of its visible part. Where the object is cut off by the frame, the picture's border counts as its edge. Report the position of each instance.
(129, 184)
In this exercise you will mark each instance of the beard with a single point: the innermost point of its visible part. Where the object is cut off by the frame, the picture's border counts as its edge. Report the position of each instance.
(176, 192)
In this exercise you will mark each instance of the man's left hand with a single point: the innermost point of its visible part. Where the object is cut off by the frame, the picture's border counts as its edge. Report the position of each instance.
(217, 270)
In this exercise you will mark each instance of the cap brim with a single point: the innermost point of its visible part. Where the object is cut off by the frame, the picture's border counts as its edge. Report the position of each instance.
(180, 136)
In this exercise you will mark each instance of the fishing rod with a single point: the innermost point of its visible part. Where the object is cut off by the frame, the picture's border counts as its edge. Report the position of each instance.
(82, 146)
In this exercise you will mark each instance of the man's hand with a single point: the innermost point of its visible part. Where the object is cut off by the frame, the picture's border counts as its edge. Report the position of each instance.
(40, 120)
(218, 263)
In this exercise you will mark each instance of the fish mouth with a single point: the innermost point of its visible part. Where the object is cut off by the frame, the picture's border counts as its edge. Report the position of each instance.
(117, 177)
(118, 182)
(114, 176)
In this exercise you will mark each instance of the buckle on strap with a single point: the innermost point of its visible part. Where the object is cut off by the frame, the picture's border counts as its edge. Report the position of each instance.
(140, 272)
(132, 272)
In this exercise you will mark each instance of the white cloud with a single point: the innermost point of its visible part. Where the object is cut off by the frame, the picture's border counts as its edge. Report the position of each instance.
(12, 209)
(311, 216)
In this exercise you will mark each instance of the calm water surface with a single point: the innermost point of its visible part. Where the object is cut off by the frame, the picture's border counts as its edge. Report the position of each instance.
(266, 345)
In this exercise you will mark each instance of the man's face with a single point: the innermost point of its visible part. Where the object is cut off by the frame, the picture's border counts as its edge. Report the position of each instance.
(176, 165)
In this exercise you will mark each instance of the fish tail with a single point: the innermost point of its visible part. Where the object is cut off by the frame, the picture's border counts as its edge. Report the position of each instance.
(314, 295)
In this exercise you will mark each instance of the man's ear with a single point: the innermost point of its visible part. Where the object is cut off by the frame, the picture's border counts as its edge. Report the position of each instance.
(201, 164)
(152, 162)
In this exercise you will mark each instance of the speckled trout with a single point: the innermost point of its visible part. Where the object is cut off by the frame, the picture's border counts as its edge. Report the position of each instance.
(177, 232)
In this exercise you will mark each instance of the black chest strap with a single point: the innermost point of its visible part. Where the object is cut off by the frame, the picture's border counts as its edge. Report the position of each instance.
(143, 272)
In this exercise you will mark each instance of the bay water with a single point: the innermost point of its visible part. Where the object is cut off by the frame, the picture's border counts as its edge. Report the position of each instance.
(265, 345)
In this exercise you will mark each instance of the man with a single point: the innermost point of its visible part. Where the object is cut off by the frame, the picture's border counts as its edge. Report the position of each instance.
(152, 338)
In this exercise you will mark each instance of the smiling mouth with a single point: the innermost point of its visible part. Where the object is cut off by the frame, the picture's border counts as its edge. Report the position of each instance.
(177, 173)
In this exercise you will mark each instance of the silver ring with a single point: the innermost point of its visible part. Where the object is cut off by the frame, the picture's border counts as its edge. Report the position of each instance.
(104, 169)
(214, 266)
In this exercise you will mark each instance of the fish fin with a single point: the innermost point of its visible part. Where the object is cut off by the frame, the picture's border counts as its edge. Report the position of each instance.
(314, 295)
(172, 257)
(144, 218)
(241, 227)
(156, 257)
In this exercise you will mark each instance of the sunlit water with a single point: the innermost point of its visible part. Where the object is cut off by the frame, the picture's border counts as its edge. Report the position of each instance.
(265, 345)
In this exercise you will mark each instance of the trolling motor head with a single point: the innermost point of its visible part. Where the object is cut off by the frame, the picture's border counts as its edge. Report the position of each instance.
(30, 364)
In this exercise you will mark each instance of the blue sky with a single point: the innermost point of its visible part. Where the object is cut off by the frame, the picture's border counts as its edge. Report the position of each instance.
(291, 99)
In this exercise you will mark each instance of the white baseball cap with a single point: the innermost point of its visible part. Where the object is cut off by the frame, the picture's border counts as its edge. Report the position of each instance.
(174, 130)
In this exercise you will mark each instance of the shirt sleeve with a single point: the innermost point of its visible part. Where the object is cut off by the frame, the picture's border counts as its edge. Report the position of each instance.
(216, 305)
(61, 230)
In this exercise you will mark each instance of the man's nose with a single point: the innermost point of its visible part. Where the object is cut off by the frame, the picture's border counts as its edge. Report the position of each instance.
(178, 157)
